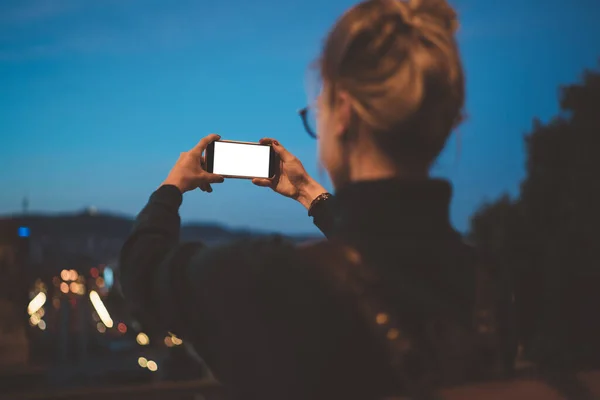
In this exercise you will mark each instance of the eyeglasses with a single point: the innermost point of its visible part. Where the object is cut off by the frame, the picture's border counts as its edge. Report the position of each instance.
(309, 121)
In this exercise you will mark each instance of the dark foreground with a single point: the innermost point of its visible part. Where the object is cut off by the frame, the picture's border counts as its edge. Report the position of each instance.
(190, 390)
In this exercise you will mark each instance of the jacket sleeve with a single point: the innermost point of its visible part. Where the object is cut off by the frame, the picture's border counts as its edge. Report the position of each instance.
(152, 246)
(224, 298)
(324, 217)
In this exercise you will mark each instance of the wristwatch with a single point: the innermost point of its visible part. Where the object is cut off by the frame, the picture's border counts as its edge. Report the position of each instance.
(323, 197)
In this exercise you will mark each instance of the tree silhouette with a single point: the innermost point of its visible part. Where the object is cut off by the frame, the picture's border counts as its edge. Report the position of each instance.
(548, 239)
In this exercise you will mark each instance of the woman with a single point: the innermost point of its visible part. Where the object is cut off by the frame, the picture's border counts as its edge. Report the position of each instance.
(262, 313)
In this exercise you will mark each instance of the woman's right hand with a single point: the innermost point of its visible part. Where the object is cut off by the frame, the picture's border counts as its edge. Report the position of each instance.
(292, 180)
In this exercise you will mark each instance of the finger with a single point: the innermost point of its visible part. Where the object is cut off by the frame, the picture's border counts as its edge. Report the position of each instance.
(203, 187)
(281, 151)
(212, 178)
(203, 143)
(262, 182)
(209, 188)
(266, 141)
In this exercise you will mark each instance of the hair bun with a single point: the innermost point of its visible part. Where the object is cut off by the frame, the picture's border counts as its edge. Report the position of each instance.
(437, 11)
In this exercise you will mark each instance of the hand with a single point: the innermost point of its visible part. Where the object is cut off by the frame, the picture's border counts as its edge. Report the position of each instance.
(188, 172)
(292, 180)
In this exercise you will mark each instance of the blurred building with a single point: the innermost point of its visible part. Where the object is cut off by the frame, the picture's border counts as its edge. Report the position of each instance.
(13, 299)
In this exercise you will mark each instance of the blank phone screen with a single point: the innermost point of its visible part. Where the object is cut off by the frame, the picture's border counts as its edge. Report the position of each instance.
(239, 159)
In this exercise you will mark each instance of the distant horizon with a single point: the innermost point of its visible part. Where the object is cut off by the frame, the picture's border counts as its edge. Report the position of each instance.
(108, 213)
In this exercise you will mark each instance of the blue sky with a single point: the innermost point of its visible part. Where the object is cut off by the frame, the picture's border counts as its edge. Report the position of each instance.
(97, 99)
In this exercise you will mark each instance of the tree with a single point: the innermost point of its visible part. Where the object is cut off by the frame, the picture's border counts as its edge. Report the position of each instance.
(548, 237)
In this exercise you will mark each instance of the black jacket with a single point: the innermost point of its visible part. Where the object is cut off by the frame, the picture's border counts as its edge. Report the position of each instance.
(261, 316)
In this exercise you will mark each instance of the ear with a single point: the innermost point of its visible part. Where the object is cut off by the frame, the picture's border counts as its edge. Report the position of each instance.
(342, 114)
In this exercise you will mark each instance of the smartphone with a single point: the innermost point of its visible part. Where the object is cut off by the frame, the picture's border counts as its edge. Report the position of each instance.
(244, 160)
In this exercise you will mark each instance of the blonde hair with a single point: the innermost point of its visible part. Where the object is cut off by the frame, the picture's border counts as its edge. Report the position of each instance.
(400, 64)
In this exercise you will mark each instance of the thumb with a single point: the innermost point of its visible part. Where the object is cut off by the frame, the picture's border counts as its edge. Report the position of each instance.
(262, 182)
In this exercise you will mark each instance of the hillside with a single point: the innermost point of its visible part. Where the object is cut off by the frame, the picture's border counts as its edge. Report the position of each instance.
(109, 226)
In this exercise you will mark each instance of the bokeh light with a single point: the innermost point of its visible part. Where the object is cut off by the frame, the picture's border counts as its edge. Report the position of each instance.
(152, 366)
(108, 277)
(64, 274)
(176, 341)
(34, 319)
(101, 309)
(142, 339)
(36, 303)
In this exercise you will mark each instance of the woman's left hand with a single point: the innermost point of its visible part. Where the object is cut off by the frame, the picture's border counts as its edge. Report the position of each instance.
(188, 172)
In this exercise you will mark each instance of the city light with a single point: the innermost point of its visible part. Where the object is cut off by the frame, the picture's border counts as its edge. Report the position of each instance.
(23, 231)
(142, 339)
(144, 363)
(64, 274)
(94, 272)
(121, 327)
(101, 328)
(108, 277)
(176, 341)
(100, 282)
(172, 340)
(101, 309)
(34, 320)
(77, 288)
(64, 287)
(42, 324)
(73, 275)
(36, 303)
(152, 366)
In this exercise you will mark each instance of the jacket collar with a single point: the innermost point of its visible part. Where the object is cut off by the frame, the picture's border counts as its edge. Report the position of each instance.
(393, 207)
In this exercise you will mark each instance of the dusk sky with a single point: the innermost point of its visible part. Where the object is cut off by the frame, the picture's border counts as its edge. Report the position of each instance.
(98, 98)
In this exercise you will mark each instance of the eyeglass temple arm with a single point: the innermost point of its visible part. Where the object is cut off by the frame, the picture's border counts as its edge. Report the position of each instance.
(303, 112)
